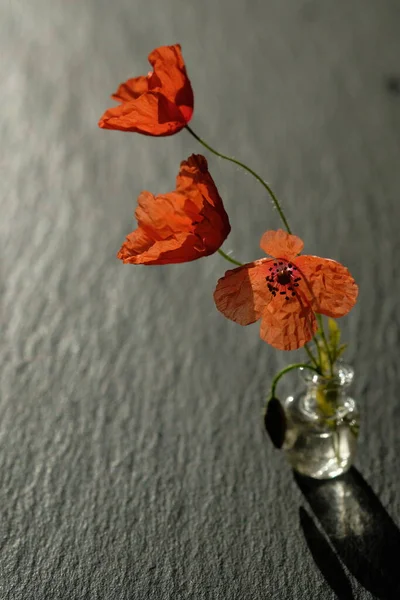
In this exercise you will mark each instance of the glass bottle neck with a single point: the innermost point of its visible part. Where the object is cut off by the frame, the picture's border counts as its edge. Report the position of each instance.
(325, 398)
(327, 395)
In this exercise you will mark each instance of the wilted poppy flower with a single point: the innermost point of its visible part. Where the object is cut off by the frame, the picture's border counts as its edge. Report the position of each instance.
(160, 103)
(180, 226)
(285, 291)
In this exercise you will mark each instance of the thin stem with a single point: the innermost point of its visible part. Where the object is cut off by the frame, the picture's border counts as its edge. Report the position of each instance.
(318, 350)
(227, 257)
(311, 356)
(286, 370)
(323, 337)
(249, 170)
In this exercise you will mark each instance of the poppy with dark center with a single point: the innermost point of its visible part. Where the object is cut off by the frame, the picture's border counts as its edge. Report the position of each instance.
(179, 226)
(285, 292)
(158, 104)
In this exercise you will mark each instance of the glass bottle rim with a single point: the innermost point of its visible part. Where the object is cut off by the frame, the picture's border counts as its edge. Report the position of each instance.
(343, 376)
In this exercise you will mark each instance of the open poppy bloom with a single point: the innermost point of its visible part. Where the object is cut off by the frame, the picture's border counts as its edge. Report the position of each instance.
(285, 291)
(182, 225)
(160, 103)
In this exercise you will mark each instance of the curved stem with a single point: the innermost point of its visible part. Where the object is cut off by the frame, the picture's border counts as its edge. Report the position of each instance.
(249, 170)
(286, 370)
(227, 257)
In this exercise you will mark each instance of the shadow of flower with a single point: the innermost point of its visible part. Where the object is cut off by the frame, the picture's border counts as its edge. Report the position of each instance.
(364, 536)
(325, 557)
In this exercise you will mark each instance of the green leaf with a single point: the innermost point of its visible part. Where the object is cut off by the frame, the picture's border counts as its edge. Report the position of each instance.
(341, 349)
(334, 333)
(324, 357)
(334, 338)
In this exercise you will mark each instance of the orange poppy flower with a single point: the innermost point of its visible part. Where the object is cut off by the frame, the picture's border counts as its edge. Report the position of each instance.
(180, 226)
(285, 291)
(160, 103)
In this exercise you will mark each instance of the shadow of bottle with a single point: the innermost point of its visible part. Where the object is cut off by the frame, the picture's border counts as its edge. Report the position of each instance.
(364, 536)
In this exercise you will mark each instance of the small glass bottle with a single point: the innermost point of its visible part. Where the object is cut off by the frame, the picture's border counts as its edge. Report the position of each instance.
(322, 425)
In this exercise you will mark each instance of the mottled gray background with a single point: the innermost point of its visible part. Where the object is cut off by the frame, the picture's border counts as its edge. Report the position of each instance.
(133, 462)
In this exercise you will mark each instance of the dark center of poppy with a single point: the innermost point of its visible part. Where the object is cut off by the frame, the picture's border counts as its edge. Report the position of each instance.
(283, 279)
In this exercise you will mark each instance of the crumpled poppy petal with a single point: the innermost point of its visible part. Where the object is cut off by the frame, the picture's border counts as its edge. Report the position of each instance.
(137, 244)
(132, 89)
(328, 285)
(180, 226)
(194, 175)
(158, 104)
(195, 181)
(287, 293)
(170, 78)
(163, 230)
(194, 171)
(151, 114)
(162, 216)
(288, 325)
(140, 249)
(242, 294)
(281, 244)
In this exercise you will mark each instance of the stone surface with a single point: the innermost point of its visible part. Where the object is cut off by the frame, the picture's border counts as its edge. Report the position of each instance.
(133, 462)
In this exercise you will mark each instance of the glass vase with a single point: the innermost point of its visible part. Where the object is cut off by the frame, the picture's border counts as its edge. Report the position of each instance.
(322, 425)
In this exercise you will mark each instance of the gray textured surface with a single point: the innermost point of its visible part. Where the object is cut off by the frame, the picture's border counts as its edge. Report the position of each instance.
(132, 460)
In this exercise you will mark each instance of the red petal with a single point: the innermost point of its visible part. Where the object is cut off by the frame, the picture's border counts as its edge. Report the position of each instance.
(179, 226)
(281, 244)
(131, 89)
(242, 294)
(160, 104)
(141, 249)
(150, 114)
(288, 325)
(170, 78)
(328, 285)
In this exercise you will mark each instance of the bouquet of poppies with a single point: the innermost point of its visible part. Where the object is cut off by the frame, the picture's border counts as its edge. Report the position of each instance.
(287, 291)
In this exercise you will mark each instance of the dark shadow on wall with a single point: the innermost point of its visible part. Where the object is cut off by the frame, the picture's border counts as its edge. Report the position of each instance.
(363, 534)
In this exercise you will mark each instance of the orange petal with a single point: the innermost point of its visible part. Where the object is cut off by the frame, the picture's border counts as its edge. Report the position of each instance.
(328, 285)
(141, 249)
(288, 325)
(193, 173)
(164, 215)
(150, 114)
(131, 89)
(170, 78)
(180, 226)
(160, 103)
(242, 294)
(195, 182)
(281, 244)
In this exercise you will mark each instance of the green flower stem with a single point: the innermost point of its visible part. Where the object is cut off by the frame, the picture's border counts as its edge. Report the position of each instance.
(323, 337)
(284, 221)
(311, 356)
(326, 399)
(227, 257)
(318, 351)
(246, 168)
(286, 370)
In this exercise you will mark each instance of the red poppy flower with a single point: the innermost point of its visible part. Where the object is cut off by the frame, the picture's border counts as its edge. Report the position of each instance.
(180, 226)
(160, 103)
(285, 291)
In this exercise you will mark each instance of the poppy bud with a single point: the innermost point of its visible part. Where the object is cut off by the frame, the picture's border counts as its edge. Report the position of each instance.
(275, 422)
